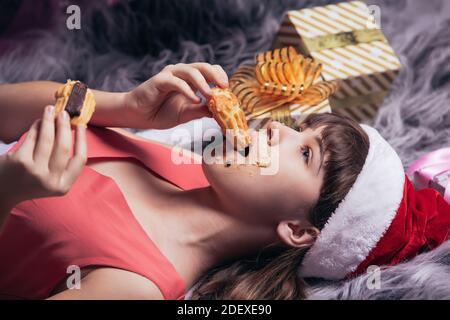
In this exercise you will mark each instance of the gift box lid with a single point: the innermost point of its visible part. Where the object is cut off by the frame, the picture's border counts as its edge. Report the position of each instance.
(333, 19)
(345, 37)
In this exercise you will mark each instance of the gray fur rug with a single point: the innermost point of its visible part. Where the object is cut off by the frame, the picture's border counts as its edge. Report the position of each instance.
(118, 47)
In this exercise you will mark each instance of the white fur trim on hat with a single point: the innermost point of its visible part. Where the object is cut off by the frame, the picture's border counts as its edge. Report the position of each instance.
(362, 218)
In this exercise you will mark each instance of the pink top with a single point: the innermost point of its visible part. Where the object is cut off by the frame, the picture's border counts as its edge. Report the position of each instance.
(91, 225)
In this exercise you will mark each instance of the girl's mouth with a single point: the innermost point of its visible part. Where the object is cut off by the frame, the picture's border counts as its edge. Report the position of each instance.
(255, 154)
(245, 152)
(258, 153)
(256, 141)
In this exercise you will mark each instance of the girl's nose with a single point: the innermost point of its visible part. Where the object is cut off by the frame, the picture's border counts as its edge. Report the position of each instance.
(275, 125)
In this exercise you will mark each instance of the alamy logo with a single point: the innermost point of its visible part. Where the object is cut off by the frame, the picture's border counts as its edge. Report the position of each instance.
(264, 154)
(374, 20)
(73, 21)
(374, 278)
(74, 279)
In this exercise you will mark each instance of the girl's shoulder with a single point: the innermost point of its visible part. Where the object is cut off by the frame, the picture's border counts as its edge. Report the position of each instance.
(112, 284)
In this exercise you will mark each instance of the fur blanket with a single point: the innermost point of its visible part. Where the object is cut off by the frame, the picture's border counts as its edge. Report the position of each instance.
(122, 45)
(425, 277)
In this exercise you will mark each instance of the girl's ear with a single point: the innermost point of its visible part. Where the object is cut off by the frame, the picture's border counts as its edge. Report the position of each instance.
(297, 234)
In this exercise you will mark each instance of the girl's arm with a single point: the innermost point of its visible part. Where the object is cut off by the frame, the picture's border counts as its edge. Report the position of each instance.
(22, 103)
(164, 101)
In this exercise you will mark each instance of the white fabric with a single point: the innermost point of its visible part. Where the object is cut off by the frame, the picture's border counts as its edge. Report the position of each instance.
(4, 147)
(189, 135)
(362, 218)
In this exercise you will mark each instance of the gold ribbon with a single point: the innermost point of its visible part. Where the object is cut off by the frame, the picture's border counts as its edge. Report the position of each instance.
(343, 39)
(279, 77)
(282, 115)
(288, 115)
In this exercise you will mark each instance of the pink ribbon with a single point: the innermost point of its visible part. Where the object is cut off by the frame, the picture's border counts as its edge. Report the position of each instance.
(429, 166)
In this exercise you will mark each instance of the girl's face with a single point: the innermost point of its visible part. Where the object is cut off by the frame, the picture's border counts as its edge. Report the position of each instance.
(287, 189)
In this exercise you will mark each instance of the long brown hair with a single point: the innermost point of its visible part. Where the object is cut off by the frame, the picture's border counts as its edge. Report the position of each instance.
(273, 272)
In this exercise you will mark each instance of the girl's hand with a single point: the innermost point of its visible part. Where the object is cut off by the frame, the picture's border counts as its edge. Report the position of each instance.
(43, 165)
(169, 98)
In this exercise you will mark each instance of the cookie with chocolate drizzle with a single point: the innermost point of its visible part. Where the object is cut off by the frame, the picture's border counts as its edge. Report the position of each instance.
(77, 99)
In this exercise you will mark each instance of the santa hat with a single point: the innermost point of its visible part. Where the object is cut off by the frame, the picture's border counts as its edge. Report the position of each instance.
(381, 221)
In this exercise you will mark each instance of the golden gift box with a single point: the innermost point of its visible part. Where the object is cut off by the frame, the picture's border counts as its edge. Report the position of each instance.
(281, 85)
(345, 38)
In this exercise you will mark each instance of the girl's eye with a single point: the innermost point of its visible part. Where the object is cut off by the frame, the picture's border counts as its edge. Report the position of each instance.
(305, 153)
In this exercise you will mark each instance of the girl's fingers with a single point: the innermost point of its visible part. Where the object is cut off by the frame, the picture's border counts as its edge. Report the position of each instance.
(77, 162)
(46, 136)
(26, 150)
(194, 111)
(168, 82)
(63, 143)
(194, 77)
(212, 73)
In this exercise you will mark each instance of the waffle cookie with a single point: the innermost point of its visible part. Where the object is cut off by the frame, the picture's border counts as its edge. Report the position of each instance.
(225, 108)
(77, 99)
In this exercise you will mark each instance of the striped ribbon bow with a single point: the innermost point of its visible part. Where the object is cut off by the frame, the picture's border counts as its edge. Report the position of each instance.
(279, 77)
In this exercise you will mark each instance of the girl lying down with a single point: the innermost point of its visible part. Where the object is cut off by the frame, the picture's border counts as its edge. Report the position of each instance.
(136, 225)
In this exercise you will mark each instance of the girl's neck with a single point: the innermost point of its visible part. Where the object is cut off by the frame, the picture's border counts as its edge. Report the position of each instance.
(201, 232)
